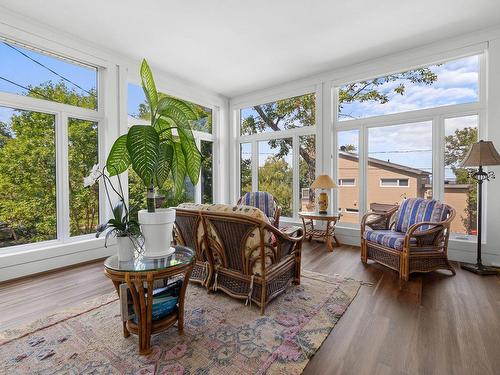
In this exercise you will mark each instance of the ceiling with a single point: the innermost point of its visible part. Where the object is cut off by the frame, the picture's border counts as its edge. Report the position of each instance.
(234, 47)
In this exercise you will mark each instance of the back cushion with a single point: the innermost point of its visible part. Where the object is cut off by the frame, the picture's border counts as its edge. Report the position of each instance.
(417, 210)
(260, 199)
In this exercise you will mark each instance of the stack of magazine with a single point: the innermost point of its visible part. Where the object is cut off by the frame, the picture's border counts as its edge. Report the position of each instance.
(165, 299)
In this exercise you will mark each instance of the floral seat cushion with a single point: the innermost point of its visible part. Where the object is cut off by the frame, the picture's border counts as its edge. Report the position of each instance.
(388, 238)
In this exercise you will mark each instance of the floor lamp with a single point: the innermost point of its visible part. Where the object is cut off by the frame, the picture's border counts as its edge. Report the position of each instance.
(481, 154)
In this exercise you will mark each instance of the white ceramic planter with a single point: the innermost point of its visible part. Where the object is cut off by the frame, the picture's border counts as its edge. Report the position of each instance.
(125, 248)
(157, 230)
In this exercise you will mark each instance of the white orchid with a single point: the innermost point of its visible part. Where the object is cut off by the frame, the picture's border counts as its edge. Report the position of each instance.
(92, 178)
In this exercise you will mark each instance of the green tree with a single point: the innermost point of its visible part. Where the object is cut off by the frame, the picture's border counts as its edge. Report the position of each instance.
(457, 145)
(28, 168)
(275, 176)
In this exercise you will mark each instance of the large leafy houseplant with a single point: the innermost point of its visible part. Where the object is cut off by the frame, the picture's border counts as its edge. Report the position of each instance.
(165, 148)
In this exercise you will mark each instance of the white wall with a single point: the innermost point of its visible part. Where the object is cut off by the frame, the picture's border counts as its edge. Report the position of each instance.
(118, 70)
(487, 40)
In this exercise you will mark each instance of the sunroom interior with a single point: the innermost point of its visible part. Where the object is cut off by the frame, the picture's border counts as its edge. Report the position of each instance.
(385, 100)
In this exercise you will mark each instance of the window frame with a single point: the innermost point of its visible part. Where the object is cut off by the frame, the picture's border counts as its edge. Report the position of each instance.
(295, 134)
(348, 185)
(398, 182)
(62, 112)
(435, 115)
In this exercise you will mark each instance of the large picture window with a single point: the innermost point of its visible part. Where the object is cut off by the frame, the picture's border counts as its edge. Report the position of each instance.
(283, 133)
(48, 144)
(400, 153)
(348, 174)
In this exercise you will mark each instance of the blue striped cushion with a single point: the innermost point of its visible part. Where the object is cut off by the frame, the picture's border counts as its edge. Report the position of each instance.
(387, 238)
(417, 210)
(260, 199)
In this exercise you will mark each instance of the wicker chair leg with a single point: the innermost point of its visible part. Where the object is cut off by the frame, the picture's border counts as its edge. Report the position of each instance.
(450, 267)
(364, 251)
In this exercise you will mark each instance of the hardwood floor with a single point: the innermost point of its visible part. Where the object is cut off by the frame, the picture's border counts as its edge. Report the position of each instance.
(433, 324)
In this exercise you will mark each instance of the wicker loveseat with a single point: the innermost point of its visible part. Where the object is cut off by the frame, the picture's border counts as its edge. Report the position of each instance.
(239, 251)
(265, 202)
(410, 238)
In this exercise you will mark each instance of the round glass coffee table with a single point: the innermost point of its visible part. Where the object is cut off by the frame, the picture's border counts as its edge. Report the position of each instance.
(327, 234)
(142, 276)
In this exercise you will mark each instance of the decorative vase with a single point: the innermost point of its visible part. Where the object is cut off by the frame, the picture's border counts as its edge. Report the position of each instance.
(125, 248)
(156, 228)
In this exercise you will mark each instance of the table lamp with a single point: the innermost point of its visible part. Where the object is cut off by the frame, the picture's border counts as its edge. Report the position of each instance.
(481, 153)
(323, 181)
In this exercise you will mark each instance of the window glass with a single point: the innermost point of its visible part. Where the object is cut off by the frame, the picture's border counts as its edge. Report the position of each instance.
(31, 73)
(399, 162)
(138, 108)
(245, 168)
(348, 170)
(307, 171)
(27, 177)
(206, 172)
(82, 156)
(275, 171)
(460, 191)
(283, 114)
(452, 82)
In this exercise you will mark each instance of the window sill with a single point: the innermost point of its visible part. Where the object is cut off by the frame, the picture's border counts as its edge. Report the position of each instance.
(14, 256)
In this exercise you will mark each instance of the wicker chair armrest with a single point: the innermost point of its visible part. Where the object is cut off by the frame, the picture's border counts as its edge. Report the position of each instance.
(413, 231)
(381, 216)
(277, 214)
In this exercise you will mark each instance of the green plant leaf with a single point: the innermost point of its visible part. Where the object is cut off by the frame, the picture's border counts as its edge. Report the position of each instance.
(169, 103)
(148, 85)
(164, 163)
(118, 211)
(143, 147)
(118, 159)
(178, 168)
(191, 152)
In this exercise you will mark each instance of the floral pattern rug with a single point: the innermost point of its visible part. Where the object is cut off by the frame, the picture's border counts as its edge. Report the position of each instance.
(221, 335)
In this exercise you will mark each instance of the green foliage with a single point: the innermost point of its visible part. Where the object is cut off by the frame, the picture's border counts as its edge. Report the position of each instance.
(153, 150)
(457, 145)
(275, 177)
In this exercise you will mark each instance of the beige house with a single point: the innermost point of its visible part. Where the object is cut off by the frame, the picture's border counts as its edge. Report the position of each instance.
(389, 183)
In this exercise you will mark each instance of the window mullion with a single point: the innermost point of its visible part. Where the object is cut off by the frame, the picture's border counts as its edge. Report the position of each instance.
(438, 158)
(197, 187)
(62, 179)
(295, 176)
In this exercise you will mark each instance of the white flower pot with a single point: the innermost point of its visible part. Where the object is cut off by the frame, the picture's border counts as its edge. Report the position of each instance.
(157, 229)
(125, 249)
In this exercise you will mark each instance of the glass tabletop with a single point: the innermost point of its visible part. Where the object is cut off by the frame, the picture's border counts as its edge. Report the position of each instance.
(182, 255)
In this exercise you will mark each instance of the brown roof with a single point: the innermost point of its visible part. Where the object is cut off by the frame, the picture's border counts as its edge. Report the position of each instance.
(387, 164)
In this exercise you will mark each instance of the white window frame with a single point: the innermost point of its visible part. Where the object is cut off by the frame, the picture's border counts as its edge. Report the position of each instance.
(62, 112)
(436, 115)
(341, 182)
(198, 137)
(295, 134)
(398, 182)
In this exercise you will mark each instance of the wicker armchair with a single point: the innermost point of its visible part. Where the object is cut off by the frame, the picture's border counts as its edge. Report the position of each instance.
(188, 231)
(242, 254)
(265, 202)
(410, 238)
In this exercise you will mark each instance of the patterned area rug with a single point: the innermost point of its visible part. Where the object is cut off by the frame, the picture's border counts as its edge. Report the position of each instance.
(221, 335)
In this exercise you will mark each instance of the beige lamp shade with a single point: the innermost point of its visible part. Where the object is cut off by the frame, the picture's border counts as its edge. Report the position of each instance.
(323, 181)
(480, 154)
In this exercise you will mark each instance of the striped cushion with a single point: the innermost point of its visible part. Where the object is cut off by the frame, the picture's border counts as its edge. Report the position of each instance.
(417, 210)
(260, 199)
(387, 238)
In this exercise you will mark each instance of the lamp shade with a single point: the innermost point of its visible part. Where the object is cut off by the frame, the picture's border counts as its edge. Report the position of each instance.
(481, 153)
(323, 181)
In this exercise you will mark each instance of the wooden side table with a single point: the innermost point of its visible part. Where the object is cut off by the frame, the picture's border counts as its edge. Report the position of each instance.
(140, 274)
(327, 234)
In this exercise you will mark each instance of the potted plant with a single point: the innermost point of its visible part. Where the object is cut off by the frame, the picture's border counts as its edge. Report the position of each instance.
(165, 148)
(126, 230)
